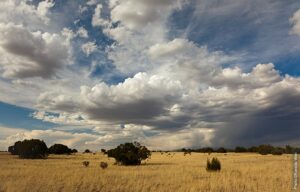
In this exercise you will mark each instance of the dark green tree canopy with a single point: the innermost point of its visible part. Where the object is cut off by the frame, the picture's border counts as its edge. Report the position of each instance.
(129, 153)
(31, 149)
(59, 149)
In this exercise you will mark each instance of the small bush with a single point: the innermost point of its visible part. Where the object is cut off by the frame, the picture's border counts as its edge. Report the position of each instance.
(86, 163)
(213, 165)
(74, 151)
(103, 151)
(187, 153)
(103, 165)
(87, 151)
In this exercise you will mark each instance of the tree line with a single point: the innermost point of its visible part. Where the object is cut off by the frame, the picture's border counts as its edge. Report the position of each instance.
(132, 153)
(261, 149)
(124, 154)
(37, 149)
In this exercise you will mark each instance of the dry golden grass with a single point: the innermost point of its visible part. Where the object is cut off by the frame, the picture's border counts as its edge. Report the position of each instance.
(240, 172)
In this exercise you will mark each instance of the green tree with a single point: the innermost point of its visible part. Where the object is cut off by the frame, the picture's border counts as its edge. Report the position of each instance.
(59, 149)
(129, 153)
(31, 149)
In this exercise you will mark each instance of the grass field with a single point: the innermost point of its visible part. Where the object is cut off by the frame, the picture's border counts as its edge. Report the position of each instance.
(240, 172)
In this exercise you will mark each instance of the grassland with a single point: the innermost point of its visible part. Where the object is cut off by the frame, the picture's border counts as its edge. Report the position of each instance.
(240, 172)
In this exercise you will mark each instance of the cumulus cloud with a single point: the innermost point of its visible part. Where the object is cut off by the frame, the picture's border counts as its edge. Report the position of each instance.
(51, 101)
(20, 12)
(44, 6)
(141, 98)
(176, 93)
(137, 25)
(163, 103)
(31, 53)
(88, 48)
(295, 20)
(262, 75)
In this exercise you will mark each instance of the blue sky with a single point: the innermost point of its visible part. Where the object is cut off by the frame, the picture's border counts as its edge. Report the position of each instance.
(14, 116)
(102, 72)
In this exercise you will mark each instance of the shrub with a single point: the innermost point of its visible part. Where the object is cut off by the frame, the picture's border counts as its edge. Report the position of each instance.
(265, 149)
(208, 150)
(31, 149)
(87, 151)
(221, 150)
(213, 165)
(74, 151)
(103, 151)
(277, 151)
(289, 149)
(129, 153)
(86, 163)
(59, 149)
(253, 149)
(103, 165)
(240, 149)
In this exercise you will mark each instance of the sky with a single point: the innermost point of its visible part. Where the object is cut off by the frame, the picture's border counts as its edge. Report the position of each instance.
(166, 73)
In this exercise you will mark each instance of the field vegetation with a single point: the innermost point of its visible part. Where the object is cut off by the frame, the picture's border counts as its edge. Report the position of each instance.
(170, 172)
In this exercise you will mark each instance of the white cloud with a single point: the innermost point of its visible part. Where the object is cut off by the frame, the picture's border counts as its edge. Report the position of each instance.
(6, 134)
(82, 32)
(88, 48)
(141, 86)
(262, 75)
(97, 19)
(135, 14)
(43, 7)
(20, 12)
(295, 20)
(172, 48)
(163, 103)
(92, 2)
(140, 24)
(68, 34)
(53, 101)
(177, 93)
(82, 9)
(109, 139)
